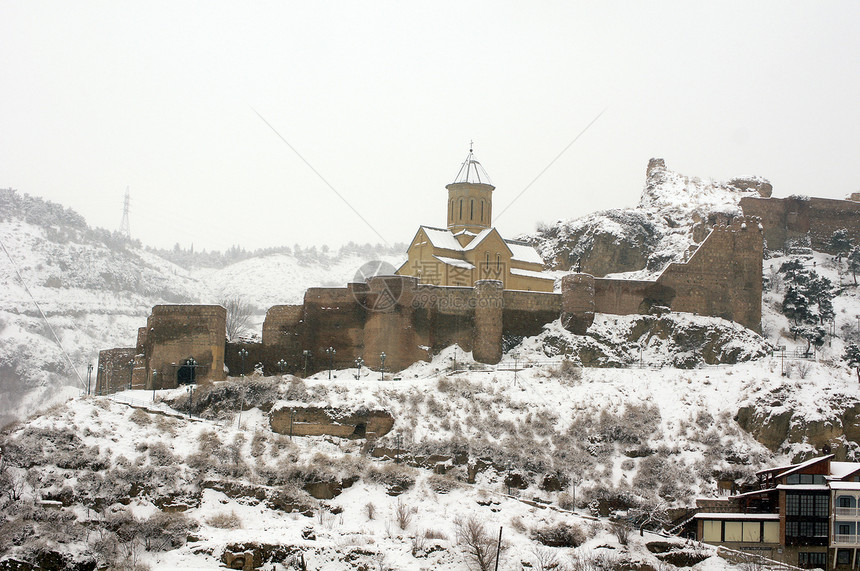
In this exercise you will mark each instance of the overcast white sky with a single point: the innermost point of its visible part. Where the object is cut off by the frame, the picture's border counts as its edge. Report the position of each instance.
(382, 99)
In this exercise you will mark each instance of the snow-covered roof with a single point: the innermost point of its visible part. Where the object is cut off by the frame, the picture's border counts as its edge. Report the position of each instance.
(482, 235)
(753, 493)
(442, 238)
(803, 487)
(802, 465)
(839, 470)
(523, 252)
(531, 274)
(845, 485)
(730, 515)
(455, 262)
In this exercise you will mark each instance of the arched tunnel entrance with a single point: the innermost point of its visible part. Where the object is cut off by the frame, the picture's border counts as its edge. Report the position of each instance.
(186, 375)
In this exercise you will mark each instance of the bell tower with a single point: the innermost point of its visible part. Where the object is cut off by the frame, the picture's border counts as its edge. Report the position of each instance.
(470, 198)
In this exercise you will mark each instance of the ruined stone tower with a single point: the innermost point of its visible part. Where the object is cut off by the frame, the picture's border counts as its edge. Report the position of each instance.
(470, 198)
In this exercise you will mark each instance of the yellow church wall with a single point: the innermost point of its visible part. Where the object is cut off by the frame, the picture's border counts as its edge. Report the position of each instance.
(526, 283)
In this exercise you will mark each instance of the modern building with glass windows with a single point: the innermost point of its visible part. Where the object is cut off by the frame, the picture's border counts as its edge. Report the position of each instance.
(804, 514)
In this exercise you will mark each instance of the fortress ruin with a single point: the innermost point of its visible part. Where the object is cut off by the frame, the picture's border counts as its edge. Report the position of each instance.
(412, 317)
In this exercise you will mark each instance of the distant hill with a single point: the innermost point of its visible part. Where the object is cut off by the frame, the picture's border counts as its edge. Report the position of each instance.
(95, 288)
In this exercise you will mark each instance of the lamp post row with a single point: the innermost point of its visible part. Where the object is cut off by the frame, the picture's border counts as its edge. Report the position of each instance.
(243, 354)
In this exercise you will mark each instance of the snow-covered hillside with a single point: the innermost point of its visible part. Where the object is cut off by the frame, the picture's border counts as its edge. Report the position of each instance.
(490, 446)
(68, 291)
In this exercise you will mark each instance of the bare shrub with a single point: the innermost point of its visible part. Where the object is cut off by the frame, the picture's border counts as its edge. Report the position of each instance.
(140, 417)
(442, 484)
(434, 534)
(370, 510)
(544, 559)
(561, 534)
(479, 545)
(621, 529)
(402, 514)
(392, 475)
(801, 368)
(583, 560)
(258, 444)
(225, 520)
(566, 501)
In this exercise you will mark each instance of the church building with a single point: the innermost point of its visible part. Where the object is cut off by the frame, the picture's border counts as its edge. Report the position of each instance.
(469, 248)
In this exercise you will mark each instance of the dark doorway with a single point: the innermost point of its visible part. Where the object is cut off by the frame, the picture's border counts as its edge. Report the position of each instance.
(360, 430)
(185, 375)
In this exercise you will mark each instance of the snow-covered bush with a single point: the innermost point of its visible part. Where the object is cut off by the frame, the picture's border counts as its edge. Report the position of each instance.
(561, 534)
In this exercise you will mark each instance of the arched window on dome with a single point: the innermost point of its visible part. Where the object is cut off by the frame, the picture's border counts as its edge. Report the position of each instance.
(482, 211)
(461, 209)
(472, 210)
(451, 211)
(498, 261)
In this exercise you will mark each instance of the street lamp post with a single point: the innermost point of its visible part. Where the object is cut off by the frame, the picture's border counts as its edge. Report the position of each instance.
(130, 372)
(382, 366)
(282, 365)
(190, 389)
(306, 354)
(190, 362)
(89, 376)
(516, 357)
(782, 357)
(292, 411)
(358, 363)
(154, 375)
(243, 353)
(331, 353)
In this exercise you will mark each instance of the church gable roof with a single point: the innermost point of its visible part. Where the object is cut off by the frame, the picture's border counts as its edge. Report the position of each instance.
(523, 252)
(442, 238)
(485, 235)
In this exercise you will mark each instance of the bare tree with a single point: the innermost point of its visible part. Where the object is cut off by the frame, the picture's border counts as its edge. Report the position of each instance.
(239, 313)
(649, 515)
(479, 545)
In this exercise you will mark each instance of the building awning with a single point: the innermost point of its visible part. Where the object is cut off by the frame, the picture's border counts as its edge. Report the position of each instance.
(736, 516)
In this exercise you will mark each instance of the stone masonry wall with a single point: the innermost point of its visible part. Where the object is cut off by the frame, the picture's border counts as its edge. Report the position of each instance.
(176, 333)
(793, 218)
(114, 373)
(723, 277)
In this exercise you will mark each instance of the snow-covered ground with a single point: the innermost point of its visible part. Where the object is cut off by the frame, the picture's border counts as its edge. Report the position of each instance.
(619, 433)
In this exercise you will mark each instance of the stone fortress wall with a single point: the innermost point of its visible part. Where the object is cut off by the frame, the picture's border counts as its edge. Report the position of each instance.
(409, 321)
(792, 219)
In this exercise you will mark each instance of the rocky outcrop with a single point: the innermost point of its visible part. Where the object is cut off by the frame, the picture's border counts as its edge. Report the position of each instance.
(782, 424)
(675, 213)
(315, 421)
(598, 244)
(761, 185)
(678, 340)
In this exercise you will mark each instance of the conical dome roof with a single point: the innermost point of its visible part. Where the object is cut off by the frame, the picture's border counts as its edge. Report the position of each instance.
(471, 171)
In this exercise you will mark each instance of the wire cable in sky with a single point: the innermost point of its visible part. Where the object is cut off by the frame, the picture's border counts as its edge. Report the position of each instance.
(42, 313)
(546, 168)
(321, 177)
